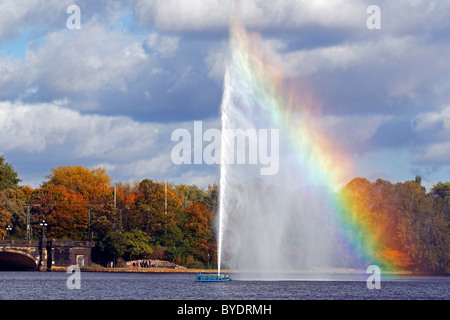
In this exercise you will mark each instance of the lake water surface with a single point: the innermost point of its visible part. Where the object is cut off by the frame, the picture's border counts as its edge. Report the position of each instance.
(152, 286)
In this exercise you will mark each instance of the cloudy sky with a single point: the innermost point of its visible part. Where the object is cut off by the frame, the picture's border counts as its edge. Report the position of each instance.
(111, 93)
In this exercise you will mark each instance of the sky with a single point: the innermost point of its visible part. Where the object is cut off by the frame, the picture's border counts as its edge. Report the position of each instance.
(111, 93)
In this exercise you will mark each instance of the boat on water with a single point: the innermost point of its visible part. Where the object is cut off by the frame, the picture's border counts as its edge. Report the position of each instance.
(211, 277)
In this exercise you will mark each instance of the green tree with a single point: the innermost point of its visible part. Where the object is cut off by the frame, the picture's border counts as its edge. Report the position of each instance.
(212, 198)
(442, 193)
(441, 190)
(150, 214)
(13, 201)
(9, 178)
(196, 194)
(423, 230)
(137, 245)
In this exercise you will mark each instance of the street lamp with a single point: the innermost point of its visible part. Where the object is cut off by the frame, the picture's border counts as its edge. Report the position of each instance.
(43, 224)
(8, 230)
(44, 254)
(208, 260)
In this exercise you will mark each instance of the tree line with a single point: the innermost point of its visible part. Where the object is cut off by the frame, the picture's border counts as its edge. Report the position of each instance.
(128, 220)
(149, 220)
(409, 224)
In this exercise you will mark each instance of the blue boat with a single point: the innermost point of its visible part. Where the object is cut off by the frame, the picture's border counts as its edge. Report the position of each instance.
(211, 277)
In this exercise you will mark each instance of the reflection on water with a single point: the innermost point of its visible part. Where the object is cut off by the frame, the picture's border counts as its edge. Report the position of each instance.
(145, 286)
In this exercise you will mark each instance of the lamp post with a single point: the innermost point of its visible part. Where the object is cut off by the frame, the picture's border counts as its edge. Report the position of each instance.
(8, 230)
(43, 250)
(89, 225)
(43, 224)
(29, 230)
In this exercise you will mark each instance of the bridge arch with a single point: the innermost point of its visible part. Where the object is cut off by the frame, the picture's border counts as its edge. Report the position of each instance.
(17, 260)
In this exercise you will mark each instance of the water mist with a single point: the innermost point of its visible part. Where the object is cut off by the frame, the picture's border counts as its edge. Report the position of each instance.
(271, 225)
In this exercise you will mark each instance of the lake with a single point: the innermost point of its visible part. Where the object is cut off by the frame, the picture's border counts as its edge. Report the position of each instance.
(167, 286)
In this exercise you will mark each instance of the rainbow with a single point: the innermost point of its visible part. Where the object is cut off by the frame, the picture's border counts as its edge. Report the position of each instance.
(325, 163)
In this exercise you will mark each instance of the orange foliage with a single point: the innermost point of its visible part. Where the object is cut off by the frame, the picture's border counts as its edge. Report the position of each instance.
(65, 213)
(91, 183)
(5, 217)
(395, 257)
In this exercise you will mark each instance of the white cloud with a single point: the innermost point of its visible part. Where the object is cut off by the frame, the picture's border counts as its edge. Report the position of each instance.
(216, 60)
(437, 153)
(400, 56)
(432, 120)
(433, 128)
(111, 63)
(159, 166)
(191, 177)
(26, 128)
(13, 75)
(385, 52)
(165, 46)
(205, 15)
(91, 59)
(43, 127)
(17, 14)
(312, 61)
(125, 148)
(86, 62)
(178, 15)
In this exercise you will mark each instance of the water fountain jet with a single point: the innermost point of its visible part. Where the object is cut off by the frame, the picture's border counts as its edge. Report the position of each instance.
(291, 221)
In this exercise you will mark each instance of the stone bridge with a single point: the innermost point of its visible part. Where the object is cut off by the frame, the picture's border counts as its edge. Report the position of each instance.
(43, 254)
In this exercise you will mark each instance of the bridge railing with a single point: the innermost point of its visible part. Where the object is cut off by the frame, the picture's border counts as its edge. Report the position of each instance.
(55, 243)
(20, 242)
(73, 243)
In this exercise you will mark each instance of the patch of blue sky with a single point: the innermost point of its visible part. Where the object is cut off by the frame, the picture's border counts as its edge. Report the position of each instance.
(124, 23)
(17, 46)
(388, 164)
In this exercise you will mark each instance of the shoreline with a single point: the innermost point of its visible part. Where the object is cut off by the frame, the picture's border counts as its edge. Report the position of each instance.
(135, 270)
(226, 271)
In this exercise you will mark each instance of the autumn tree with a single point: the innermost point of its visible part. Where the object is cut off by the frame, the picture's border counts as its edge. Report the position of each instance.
(423, 229)
(91, 184)
(441, 192)
(9, 179)
(198, 232)
(374, 207)
(5, 218)
(66, 213)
